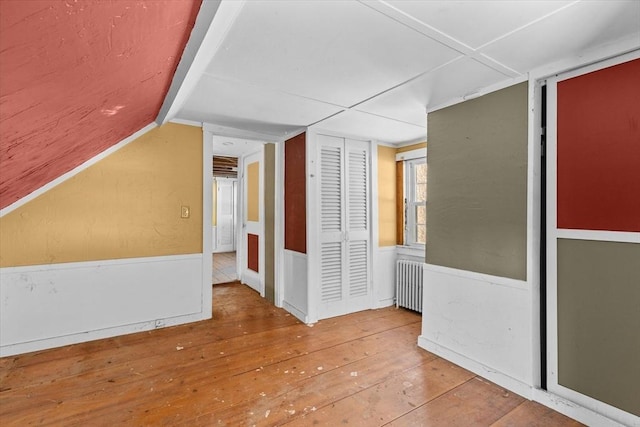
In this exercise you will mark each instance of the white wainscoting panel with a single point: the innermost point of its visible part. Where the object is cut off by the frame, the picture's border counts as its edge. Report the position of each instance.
(481, 322)
(295, 299)
(384, 276)
(47, 306)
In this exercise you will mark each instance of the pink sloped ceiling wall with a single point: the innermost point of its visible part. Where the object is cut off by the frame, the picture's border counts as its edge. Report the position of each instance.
(77, 77)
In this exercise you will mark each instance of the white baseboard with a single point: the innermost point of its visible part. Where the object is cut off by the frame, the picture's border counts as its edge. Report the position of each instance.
(579, 412)
(550, 400)
(47, 306)
(385, 303)
(502, 379)
(299, 314)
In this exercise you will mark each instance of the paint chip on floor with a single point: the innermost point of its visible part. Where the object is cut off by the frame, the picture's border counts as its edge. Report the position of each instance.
(320, 368)
(354, 374)
(179, 347)
(266, 414)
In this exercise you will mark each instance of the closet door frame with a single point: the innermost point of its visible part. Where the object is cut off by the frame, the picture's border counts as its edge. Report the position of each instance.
(313, 218)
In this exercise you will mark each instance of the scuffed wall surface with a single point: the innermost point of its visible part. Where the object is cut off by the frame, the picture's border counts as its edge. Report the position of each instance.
(477, 207)
(79, 76)
(127, 205)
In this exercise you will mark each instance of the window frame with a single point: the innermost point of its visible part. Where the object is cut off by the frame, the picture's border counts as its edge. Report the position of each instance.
(410, 204)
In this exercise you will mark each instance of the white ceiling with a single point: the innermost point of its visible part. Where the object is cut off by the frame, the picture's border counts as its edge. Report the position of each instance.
(374, 68)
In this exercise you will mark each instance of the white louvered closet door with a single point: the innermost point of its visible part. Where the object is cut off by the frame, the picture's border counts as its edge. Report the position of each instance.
(344, 226)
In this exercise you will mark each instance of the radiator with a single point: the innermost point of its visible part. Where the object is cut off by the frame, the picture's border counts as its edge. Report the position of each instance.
(409, 275)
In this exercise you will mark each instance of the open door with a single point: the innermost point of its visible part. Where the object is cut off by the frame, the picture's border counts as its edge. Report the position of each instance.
(252, 260)
(226, 218)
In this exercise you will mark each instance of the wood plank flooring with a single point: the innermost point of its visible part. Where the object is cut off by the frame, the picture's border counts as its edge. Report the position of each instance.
(254, 364)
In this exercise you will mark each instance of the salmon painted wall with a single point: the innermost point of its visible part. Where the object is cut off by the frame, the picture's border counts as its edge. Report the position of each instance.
(78, 77)
(127, 205)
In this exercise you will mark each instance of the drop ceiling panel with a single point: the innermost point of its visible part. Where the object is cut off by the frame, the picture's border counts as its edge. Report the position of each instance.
(475, 23)
(374, 127)
(568, 33)
(410, 102)
(251, 108)
(339, 52)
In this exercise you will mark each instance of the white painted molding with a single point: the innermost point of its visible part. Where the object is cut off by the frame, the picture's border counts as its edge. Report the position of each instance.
(575, 406)
(476, 367)
(406, 144)
(484, 91)
(214, 20)
(604, 236)
(73, 172)
(388, 144)
(299, 314)
(411, 252)
(207, 214)
(550, 400)
(616, 52)
(99, 299)
(186, 122)
(494, 280)
(241, 133)
(418, 153)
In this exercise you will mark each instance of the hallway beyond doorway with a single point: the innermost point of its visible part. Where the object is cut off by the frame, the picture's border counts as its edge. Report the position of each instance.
(224, 267)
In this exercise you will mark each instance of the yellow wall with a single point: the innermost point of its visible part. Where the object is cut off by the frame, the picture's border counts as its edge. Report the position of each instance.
(386, 196)
(124, 206)
(411, 147)
(387, 192)
(253, 195)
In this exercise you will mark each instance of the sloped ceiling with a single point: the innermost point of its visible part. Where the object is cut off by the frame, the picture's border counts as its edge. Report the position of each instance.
(78, 76)
(374, 68)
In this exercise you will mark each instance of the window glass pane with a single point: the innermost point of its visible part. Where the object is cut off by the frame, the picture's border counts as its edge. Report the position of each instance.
(421, 215)
(421, 231)
(421, 193)
(421, 173)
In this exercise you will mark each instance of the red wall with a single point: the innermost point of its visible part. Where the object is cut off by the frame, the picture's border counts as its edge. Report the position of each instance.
(253, 252)
(295, 194)
(79, 76)
(599, 150)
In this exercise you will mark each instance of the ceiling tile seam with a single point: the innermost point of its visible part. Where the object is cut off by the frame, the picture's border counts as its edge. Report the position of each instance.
(326, 118)
(412, 79)
(423, 28)
(394, 119)
(522, 27)
(495, 65)
(438, 36)
(271, 89)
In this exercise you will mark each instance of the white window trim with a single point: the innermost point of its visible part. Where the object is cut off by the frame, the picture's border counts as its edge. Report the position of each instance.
(409, 185)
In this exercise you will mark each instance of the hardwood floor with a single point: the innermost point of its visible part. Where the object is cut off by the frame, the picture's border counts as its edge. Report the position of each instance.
(254, 364)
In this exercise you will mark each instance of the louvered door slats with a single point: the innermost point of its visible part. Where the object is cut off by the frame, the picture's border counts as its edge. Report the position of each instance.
(344, 225)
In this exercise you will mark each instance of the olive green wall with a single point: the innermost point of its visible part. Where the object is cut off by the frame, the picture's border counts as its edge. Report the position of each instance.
(599, 320)
(477, 208)
(269, 220)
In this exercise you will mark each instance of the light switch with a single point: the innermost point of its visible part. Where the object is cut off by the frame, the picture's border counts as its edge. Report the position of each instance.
(185, 212)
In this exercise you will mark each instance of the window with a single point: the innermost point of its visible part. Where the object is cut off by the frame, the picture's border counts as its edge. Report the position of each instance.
(416, 201)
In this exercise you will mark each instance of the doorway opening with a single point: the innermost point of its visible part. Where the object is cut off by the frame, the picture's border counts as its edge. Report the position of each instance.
(224, 220)
(224, 268)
